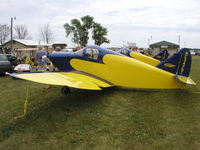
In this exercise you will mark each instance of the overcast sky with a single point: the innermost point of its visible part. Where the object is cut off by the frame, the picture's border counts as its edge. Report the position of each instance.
(126, 20)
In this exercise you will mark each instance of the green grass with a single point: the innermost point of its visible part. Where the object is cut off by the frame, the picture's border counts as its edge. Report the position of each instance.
(111, 119)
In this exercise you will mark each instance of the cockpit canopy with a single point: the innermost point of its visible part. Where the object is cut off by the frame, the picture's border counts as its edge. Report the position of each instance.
(91, 53)
(124, 51)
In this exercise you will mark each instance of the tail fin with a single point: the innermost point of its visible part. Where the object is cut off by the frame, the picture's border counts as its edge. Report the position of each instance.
(162, 55)
(179, 63)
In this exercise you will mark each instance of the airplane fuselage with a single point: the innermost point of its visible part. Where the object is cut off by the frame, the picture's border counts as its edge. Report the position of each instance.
(115, 68)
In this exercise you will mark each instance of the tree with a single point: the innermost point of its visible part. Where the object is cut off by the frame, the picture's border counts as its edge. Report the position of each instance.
(46, 34)
(79, 29)
(75, 29)
(21, 32)
(99, 34)
(4, 32)
(87, 23)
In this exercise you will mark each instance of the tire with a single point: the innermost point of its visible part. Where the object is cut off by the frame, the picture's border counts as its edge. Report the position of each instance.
(65, 90)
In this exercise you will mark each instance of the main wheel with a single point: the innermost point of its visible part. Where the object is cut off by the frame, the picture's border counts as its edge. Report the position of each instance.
(65, 90)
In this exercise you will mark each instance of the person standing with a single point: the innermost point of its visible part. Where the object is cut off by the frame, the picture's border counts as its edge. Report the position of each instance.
(57, 49)
(27, 60)
(41, 56)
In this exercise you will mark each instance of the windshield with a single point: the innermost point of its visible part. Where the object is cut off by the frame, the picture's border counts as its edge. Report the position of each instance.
(3, 58)
(124, 51)
(91, 53)
(79, 52)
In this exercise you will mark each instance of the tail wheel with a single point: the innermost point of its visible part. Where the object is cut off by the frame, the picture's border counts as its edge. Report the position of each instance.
(65, 90)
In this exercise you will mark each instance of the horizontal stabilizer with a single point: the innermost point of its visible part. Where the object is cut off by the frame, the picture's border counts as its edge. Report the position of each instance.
(184, 79)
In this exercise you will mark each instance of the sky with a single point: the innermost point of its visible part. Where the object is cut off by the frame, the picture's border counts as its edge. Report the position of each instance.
(139, 21)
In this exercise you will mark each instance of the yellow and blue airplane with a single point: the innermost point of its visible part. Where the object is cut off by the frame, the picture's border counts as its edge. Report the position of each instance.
(162, 55)
(94, 68)
(155, 60)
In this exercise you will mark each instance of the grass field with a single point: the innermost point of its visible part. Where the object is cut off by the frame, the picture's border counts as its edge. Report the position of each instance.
(112, 119)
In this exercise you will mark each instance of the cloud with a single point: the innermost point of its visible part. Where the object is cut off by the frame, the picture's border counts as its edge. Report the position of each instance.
(127, 20)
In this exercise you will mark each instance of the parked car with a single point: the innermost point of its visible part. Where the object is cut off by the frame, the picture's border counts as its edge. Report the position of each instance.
(5, 64)
(198, 53)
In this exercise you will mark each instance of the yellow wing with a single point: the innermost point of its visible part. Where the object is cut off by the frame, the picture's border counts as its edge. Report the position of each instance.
(144, 58)
(71, 79)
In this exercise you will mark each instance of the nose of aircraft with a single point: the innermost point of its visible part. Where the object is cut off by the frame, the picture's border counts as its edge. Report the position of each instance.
(61, 60)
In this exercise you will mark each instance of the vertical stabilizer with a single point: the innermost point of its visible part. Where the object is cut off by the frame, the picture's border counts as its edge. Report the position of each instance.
(162, 55)
(179, 63)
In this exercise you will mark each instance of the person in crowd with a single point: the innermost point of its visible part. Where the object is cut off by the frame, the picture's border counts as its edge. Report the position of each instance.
(27, 60)
(57, 49)
(41, 57)
(33, 59)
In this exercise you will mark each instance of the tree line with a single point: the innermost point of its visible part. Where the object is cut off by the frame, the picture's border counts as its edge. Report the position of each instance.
(21, 32)
(79, 31)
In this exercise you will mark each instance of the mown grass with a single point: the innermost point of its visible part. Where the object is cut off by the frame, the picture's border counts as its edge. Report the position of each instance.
(115, 118)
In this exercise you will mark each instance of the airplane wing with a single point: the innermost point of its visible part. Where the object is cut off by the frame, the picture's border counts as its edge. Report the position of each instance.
(75, 79)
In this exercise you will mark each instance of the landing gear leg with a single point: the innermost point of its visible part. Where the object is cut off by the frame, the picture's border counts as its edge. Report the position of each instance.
(65, 90)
